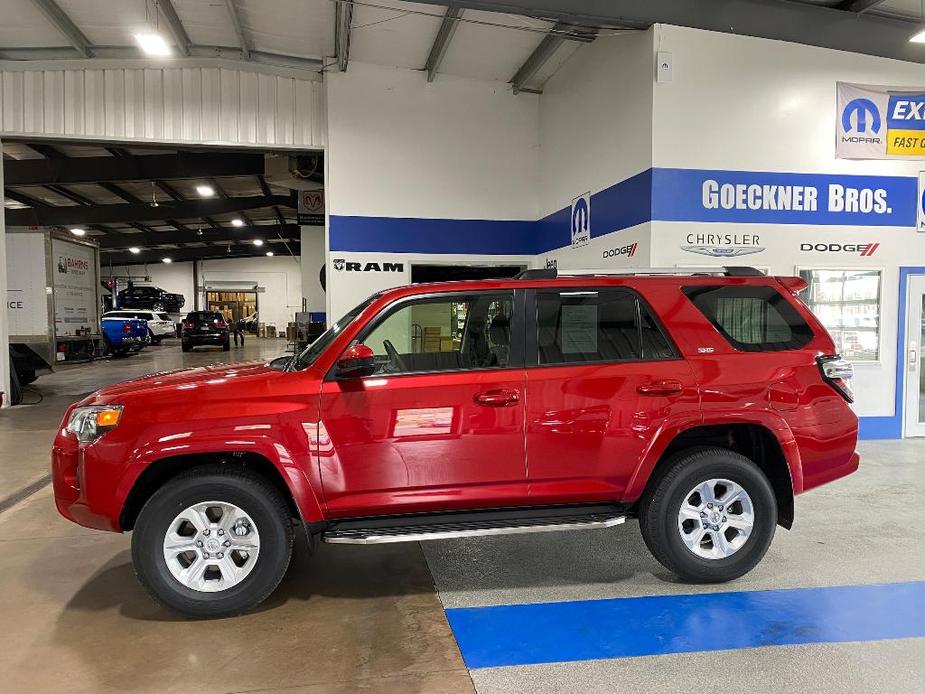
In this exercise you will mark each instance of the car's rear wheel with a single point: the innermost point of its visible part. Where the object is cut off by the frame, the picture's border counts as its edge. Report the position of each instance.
(213, 542)
(226, 345)
(710, 516)
(185, 347)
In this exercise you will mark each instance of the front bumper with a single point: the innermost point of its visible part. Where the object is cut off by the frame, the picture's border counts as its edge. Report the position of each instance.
(69, 484)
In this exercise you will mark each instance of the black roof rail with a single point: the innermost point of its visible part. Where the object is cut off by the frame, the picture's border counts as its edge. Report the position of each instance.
(743, 271)
(546, 273)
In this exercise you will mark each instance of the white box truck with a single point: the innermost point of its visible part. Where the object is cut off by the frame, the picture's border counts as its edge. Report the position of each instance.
(53, 297)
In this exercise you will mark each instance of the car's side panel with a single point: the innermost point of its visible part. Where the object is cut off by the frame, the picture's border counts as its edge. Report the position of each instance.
(589, 426)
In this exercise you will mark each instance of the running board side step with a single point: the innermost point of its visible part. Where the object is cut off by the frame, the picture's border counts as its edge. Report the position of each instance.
(410, 529)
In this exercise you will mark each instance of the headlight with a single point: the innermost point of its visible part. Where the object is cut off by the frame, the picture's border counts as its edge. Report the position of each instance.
(89, 423)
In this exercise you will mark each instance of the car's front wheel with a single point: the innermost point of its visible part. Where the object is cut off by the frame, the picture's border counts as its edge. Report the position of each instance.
(212, 542)
(710, 517)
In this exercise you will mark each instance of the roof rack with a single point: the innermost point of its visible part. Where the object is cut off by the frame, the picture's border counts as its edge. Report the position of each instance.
(552, 273)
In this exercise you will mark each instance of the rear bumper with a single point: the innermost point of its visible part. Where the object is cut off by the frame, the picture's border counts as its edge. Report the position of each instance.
(207, 339)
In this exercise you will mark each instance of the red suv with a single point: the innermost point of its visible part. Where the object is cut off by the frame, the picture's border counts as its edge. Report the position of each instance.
(699, 403)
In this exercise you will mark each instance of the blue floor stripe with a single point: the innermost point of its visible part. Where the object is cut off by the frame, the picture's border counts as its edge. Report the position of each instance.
(659, 625)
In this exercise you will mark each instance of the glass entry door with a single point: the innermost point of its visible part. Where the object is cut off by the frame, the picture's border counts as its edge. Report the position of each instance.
(915, 374)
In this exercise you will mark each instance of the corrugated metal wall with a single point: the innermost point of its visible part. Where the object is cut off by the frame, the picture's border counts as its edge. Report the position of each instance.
(214, 105)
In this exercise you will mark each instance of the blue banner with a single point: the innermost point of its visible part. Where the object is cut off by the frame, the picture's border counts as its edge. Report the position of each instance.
(695, 195)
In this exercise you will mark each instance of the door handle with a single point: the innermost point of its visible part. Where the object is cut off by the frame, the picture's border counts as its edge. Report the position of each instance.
(500, 397)
(660, 388)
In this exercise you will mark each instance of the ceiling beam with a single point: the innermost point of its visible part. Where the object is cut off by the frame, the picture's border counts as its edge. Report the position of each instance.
(798, 22)
(224, 234)
(196, 52)
(63, 23)
(559, 33)
(343, 20)
(244, 250)
(175, 26)
(102, 214)
(858, 6)
(24, 199)
(442, 41)
(183, 165)
(239, 29)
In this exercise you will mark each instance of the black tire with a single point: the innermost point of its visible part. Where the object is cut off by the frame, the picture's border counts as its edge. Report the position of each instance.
(226, 345)
(661, 503)
(186, 347)
(154, 340)
(249, 492)
(118, 352)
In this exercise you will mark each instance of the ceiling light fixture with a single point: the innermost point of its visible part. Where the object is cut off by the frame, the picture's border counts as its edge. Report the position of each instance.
(167, 260)
(269, 254)
(918, 38)
(134, 250)
(205, 191)
(152, 44)
(258, 242)
(79, 232)
(236, 222)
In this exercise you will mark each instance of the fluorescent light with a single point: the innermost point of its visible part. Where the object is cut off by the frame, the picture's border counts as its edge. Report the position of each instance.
(205, 191)
(237, 222)
(134, 250)
(167, 260)
(269, 254)
(78, 232)
(258, 242)
(152, 44)
(918, 38)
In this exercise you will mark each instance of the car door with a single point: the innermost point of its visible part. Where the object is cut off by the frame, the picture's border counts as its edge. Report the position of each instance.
(602, 378)
(439, 425)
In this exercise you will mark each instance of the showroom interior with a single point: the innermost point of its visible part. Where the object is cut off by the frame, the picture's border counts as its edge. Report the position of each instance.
(189, 185)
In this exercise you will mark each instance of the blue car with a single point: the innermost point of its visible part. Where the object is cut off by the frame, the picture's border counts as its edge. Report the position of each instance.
(124, 335)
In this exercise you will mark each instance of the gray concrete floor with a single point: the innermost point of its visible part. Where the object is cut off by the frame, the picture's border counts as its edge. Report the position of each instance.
(369, 619)
(75, 619)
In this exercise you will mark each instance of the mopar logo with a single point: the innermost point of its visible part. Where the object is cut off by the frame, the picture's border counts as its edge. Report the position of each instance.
(341, 264)
(859, 110)
(864, 249)
(581, 220)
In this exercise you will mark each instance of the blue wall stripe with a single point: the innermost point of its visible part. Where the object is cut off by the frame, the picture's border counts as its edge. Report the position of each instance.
(621, 206)
(413, 235)
(660, 625)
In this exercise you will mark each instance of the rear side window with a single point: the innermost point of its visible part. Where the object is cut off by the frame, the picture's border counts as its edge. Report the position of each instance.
(596, 325)
(163, 316)
(752, 319)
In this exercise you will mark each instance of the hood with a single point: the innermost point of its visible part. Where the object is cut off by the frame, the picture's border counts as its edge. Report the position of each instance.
(229, 375)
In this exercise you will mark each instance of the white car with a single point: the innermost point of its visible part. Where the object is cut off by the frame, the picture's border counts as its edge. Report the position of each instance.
(159, 324)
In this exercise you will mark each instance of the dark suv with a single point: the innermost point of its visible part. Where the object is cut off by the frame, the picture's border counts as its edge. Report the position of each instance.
(151, 298)
(699, 404)
(204, 328)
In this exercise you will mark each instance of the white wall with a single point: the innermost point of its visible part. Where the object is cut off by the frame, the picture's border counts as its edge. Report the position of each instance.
(744, 104)
(596, 119)
(398, 147)
(279, 276)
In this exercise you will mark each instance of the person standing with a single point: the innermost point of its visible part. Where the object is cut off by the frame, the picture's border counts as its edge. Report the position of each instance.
(238, 330)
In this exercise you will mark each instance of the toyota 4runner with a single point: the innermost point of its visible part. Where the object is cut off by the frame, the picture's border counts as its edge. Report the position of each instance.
(698, 403)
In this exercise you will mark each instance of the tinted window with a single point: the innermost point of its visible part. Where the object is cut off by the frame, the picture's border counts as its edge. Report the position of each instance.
(594, 325)
(468, 331)
(752, 319)
(163, 316)
(117, 314)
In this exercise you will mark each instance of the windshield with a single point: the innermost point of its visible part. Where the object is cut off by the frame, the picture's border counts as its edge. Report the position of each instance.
(314, 350)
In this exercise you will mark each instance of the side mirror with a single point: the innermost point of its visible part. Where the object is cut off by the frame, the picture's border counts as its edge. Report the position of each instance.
(356, 361)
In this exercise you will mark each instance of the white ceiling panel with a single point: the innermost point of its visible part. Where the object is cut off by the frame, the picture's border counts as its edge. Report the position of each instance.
(23, 26)
(303, 28)
(400, 36)
(487, 52)
(111, 22)
(207, 22)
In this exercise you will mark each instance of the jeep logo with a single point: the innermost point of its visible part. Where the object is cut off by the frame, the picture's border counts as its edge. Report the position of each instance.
(341, 264)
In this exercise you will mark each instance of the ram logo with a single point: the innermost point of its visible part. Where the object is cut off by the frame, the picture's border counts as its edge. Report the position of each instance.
(341, 264)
